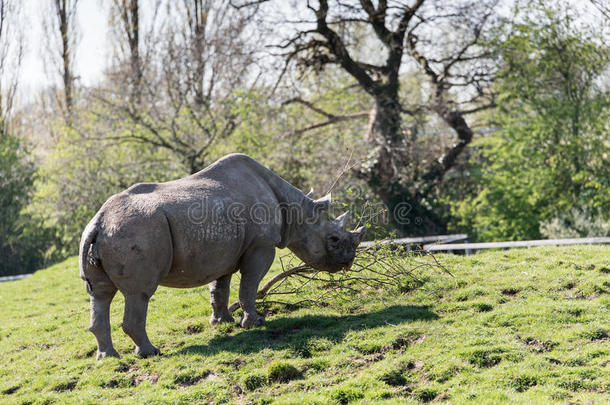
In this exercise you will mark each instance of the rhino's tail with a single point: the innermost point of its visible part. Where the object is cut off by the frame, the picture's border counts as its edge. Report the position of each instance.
(88, 254)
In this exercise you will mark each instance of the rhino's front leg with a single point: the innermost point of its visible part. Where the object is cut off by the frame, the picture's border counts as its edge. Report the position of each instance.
(219, 297)
(253, 267)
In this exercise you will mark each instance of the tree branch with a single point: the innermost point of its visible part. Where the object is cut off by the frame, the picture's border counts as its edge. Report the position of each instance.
(332, 120)
(337, 47)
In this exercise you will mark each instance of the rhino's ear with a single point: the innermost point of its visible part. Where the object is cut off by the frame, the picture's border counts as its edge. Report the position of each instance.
(322, 204)
(310, 194)
(341, 220)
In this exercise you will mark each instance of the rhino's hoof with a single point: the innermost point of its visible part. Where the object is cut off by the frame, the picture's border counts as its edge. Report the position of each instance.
(250, 322)
(214, 320)
(106, 353)
(147, 351)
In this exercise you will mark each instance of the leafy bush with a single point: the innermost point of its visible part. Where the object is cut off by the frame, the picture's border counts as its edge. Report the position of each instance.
(576, 223)
(551, 150)
(22, 242)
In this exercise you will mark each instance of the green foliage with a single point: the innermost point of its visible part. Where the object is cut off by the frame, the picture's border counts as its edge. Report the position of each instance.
(80, 174)
(575, 223)
(552, 149)
(21, 243)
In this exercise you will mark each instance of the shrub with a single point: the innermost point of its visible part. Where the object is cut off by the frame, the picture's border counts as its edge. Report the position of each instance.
(425, 394)
(254, 381)
(282, 372)
(523, 382)
(595, 334)
(346, 394)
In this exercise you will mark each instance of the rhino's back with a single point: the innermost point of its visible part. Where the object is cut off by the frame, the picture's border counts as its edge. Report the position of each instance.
(199, 214)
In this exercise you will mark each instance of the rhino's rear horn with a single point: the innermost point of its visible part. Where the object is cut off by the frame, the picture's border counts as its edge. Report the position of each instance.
(323, 204)
(310, 193)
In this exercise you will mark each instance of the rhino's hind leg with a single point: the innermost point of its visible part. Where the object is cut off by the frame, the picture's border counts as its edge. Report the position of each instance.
(102, 291)
(254, 266)
(134, 324)
(219, 298)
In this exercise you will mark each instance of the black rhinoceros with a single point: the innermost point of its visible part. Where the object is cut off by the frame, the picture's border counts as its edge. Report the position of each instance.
(198, 230)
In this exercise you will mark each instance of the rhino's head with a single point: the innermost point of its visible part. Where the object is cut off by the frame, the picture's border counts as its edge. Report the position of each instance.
(325, 244)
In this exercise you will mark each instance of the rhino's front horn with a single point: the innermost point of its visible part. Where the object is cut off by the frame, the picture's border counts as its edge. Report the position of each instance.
(342, 220)
(359, 233)
(322, 204)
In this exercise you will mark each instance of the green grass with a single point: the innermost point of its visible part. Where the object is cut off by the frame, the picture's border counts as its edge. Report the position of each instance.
(518, 326)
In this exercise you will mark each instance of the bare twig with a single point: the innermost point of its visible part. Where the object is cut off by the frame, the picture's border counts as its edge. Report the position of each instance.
(377, 267)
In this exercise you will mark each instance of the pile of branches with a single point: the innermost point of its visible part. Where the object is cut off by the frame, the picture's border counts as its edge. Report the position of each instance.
(379, 267)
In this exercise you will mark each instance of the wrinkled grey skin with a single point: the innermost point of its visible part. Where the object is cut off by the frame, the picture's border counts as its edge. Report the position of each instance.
(164, 234)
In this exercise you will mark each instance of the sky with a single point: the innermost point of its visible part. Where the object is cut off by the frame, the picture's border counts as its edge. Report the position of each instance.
(91, 53)
(93, 50)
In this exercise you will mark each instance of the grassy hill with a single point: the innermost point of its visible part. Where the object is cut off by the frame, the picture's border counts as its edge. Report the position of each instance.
(518, 326)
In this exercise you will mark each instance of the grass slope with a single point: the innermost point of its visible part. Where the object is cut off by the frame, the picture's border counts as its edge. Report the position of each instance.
(519, 326)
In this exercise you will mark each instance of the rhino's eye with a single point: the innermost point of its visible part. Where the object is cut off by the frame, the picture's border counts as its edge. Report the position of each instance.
(333, 239)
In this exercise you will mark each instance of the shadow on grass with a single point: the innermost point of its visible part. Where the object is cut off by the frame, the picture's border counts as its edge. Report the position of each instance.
(290, 332)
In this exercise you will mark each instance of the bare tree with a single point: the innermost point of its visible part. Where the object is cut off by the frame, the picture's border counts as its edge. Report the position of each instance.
(190, 78)
(61, 32)
(11, 57)
(125, 20)
(442, 40)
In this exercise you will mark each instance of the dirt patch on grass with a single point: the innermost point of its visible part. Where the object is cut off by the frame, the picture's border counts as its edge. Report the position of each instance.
(152, 378)
(235, 363)
(126, 368)
(538, 346)
(194, 329)
(402, 342)
(187, 379)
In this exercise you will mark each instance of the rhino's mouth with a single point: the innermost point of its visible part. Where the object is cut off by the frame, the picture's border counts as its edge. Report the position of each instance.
(348, 265)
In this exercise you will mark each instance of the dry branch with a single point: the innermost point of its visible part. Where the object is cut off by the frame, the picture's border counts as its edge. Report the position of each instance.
(376, 267)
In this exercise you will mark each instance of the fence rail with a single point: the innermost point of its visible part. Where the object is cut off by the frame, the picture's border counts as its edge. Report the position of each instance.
(418, 241)
(13, 278)
(519, 244)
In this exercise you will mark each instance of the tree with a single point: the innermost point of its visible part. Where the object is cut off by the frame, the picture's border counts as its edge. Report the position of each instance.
(15, 181)
(193, 75)
(11, 57)
(446, 43)
(62, 36)
(549, 158)
(125, 20)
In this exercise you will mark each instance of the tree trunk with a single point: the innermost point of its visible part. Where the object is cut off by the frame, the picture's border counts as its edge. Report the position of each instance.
(383, 173)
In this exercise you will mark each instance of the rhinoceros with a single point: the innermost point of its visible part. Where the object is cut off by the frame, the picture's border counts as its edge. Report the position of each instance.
(199, 230)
